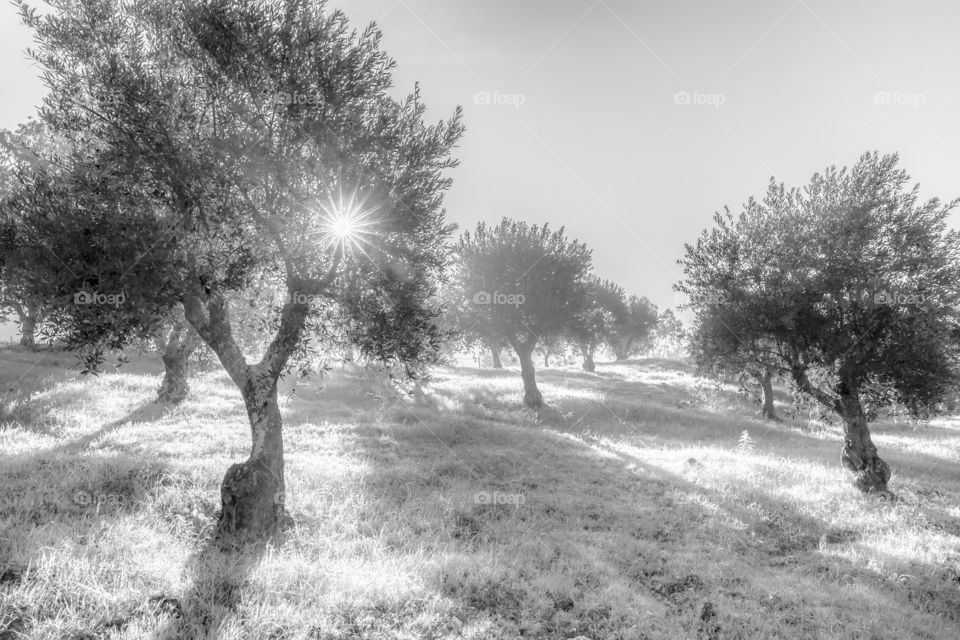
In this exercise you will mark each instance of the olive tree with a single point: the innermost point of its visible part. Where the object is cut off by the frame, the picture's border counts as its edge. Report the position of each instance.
(631, 326)
(522, 283)
(853, 281)
(254, 138)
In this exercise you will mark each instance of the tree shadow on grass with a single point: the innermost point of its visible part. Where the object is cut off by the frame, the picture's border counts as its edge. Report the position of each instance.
(62, 504)
(66, 493)
(601, 518)
(218, 573)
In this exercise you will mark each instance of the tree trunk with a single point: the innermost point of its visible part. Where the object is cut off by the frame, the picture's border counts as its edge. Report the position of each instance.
(859, 453)
(546, 359)
(28, 329)
(496, 358)
(766, 385)
(622, 350)
(252, 493)
(588, 364)
(532, 397)
(179, 346)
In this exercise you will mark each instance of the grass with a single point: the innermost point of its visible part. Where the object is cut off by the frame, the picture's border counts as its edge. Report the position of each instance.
(629, 509)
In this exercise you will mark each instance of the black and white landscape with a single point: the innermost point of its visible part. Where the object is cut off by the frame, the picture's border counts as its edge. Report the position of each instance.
(421, 319)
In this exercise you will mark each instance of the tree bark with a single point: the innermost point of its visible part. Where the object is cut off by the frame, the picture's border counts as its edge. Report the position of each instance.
(497, 364)
(588, 363)
(29, 314)
(766, 385)
(28, 329)
(859, 453)
(252, 494)
(532, 397)
(180, 345)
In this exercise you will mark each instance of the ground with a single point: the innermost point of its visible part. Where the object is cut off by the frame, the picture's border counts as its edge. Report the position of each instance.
(634, 507)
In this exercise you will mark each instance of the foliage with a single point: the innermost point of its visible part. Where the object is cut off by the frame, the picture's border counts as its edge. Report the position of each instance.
(520, 282)
(182, 117)
(851, 277)
(631, 326)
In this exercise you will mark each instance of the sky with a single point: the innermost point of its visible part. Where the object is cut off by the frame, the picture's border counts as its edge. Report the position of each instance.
(630, 122)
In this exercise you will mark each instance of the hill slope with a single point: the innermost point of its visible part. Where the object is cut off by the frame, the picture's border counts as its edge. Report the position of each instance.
(631, 509)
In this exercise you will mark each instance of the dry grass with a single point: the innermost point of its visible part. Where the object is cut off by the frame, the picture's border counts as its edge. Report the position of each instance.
(627, 510)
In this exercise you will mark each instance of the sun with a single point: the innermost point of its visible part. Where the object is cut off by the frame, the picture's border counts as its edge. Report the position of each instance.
(346, 223)
(343, 228)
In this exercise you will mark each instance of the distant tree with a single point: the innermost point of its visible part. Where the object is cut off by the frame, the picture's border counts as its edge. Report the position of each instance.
(852, 282)
(192, 113)
(465, 332)
(523, 283)
(726, 338)
(178, 342)
(549, 347)
(495, 349)
(632, 326)
(668, 338)
(597, 324)
(29, 149)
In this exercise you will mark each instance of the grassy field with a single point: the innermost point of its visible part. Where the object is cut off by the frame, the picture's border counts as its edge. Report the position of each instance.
(632, 508)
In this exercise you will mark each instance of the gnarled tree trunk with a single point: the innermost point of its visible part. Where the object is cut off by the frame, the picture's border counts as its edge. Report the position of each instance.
(532, 397)
(252, 494)
(179, 346)
(859, 453)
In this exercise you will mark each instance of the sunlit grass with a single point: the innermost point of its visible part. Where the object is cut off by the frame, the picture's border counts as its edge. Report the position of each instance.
(640, 516)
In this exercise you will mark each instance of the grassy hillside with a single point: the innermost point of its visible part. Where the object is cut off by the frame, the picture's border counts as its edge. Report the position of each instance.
(630, 509)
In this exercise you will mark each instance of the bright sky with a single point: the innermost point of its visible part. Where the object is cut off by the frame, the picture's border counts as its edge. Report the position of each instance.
(584, 129)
